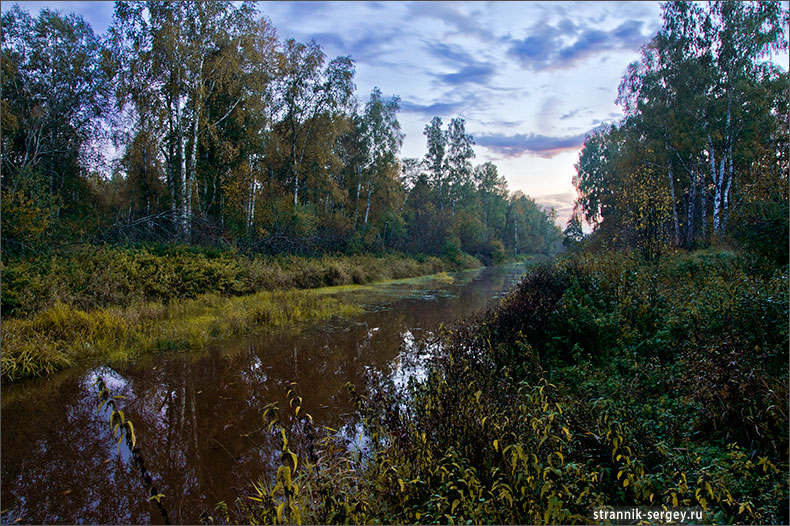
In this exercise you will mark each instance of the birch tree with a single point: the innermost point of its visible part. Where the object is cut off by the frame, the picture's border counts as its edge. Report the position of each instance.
(434, 158)
(307, 90)
(460, 153)
(164, 50)
(382, 133)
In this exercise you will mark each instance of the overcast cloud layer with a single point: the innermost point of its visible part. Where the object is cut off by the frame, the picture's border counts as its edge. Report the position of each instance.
(530, 78)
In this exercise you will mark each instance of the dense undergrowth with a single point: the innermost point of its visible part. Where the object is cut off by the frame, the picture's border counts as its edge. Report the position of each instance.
(599, 380)
(104, 303)
(89, 277)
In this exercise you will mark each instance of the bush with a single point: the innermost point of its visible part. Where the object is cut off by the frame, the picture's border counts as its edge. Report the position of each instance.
(599, 380)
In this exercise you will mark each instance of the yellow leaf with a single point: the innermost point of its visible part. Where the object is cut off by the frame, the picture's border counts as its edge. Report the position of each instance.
(131, 432)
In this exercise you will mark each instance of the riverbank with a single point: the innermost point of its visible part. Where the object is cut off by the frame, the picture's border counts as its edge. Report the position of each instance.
(116, 303)
(600, 380)
(62, 335)
(90, 277)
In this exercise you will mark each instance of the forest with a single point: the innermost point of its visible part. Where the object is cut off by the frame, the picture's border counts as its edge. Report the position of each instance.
(230, 137)
(642, 364)
(646, 366)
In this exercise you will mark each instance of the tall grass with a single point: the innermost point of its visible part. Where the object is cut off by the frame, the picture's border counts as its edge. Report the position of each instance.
(101, 277)
(61, 335)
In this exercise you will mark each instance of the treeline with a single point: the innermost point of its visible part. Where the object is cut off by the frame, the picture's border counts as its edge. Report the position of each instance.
(702, 154)
(229, 135)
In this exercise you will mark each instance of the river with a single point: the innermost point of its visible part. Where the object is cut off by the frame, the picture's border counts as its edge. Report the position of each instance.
(197, 416)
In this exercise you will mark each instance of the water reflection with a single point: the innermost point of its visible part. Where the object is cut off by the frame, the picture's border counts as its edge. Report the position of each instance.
(197, 416)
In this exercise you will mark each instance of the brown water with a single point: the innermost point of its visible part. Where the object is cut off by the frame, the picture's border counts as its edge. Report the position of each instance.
(197, 416)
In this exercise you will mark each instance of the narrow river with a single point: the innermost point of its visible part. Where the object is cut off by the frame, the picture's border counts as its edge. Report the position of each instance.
(197, 416)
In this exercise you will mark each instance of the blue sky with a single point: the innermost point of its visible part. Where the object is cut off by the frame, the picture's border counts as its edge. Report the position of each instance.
(530, 78)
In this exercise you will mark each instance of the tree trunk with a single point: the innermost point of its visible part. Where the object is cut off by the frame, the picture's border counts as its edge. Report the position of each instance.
(294, 167)
(171, 164)
(717, 185)
(192, 161)
(718, 197)
(726, 196)
(691, 207)
(370, 192)
(251, 199)
(703, 206)
(182, 165)
(674, 205)
(515, 235)
(356, 205)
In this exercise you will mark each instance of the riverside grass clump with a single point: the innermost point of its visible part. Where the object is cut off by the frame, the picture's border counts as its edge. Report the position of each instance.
(598, 381)
(91, 277)
(62, 335)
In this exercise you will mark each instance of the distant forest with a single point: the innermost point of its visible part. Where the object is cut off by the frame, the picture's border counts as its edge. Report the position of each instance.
(230, 136)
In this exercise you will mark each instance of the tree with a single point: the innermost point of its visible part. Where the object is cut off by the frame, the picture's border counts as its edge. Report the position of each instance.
(305, 92)
(459, 159)
(164, 51)
(434, 158)
(573, 233)
(700, 109)
(381, 131)
(54, 92)
(492, 189)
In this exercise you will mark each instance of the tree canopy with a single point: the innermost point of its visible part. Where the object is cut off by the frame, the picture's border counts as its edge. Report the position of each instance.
(230, 135)
(705, 135)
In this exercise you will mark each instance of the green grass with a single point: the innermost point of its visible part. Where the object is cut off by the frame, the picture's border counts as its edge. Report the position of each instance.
(114, 303)
(90, 277)
(62, 335)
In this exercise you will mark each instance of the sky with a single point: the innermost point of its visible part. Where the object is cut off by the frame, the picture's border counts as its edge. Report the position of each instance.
(530, 78)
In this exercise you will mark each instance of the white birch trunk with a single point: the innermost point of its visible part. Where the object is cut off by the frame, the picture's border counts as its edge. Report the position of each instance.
(717, 186)
(726, 197)
(674, 205)
(370, 192)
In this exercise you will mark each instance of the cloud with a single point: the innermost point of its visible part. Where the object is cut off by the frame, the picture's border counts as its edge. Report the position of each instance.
(562, 203)
(375, 42)
(449, 53)
(469, 69)
(461, 23)
(559, 46)
(476, 74)
(442, 109)
(558, 201)
(331, 39)
(541, 145)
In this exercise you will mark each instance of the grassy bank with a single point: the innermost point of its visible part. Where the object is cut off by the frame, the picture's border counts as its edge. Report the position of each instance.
(62, 335)
(115, 303)
(90, 277)
(600, 380)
